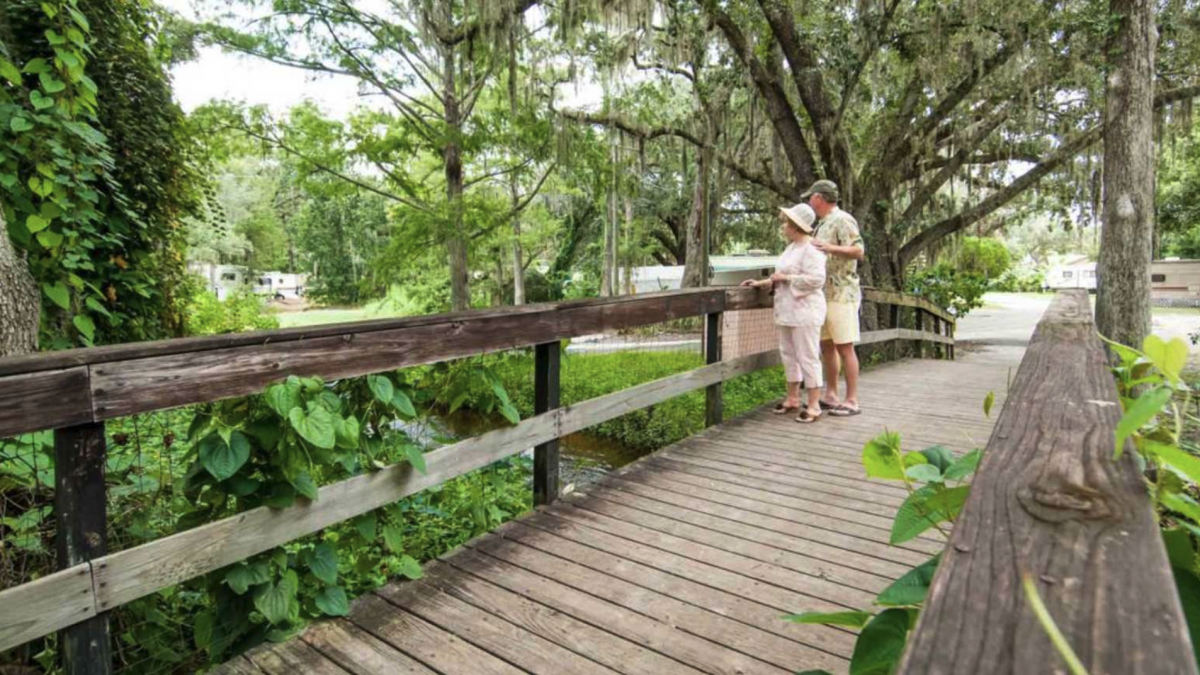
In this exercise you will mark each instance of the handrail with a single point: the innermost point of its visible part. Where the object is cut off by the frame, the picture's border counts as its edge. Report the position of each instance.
(75, 391)
(1050, 501)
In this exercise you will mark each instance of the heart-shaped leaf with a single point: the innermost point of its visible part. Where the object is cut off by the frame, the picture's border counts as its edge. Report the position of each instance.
(1139, 414)
(20, 124)
(305, 486)
(314, 425)
(404, 404)
(1168, 357)
(924, 473)
(332, 601)
(881, 457)
(58, 294)
(275, 601)
(284, 396)
(410, 568)
(347, 433)
(244, 575)
(381, 387)
(393, 538)
(222, 459)
(366, 524)
(964, 466)
(85, 326)
(324, 563)
(415, 456)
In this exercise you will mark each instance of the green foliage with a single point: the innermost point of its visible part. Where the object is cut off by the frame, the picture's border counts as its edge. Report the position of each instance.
(95, 167)
(956, 291)
(1018, 280)
(204, 314)
(982, 256)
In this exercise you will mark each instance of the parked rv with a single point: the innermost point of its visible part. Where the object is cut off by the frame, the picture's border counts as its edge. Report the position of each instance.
(1071, 273)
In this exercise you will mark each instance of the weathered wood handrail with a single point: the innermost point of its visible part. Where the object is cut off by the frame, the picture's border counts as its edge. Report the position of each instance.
(1050, 501)
(79, 389)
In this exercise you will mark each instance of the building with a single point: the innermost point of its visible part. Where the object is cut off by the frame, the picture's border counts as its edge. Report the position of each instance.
(223, 280)
(726, 270)
(1175, 282)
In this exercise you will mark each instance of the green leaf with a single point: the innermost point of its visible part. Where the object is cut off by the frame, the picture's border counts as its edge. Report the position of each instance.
(1168, 357)
(879, 646)
(222, 459)
(381, 387)
(58, 294)
(275, 601)
(851, 619)
(1188, 587)
(203, 629)
(914, 516)
(1181, 504)
(96, 307)
(949, 503)
(324, 563)
(911, 588)
(315, 425)
(1129, 355)
(332, 601)
(393, 538)
(1180, 552)
(284, 396)
(1182, 463)
(1142, 411)
(403, 403)
(415, 456)
(510, 413)
(20, 124)
(964, 466)
(305, 486)
(85, 326)
(9, 72)
(347, 433)
(241, 486)
(881, 457)
(280, 495)
(410, 568)
(988, 402)
(939, 456)
(366, 525)
(35, 223)
(244, 575)
(924, 473)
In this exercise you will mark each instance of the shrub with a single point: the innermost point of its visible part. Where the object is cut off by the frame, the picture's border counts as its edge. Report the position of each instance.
(204, 314)
(1018, 281)
(980, 255)
(956, 291)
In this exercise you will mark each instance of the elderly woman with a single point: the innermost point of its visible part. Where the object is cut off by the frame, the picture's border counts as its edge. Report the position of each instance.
(799, 310)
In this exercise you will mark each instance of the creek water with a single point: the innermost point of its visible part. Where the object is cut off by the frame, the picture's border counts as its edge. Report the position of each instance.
(586, 458)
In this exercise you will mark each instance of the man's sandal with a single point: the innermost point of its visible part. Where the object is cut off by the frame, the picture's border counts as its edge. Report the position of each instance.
(844, 411)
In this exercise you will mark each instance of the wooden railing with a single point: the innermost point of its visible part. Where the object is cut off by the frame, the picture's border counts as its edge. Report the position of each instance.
(1050, 501)
(74, 392)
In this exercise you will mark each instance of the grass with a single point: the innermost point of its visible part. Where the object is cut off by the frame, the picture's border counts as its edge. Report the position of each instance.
(396, 304)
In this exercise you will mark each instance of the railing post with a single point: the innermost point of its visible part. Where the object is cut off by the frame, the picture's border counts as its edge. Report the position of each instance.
(80, 514)
(920, 328)
(714, 402)
(894, 311)
(950, 334)
(939, 348)
(546, 361)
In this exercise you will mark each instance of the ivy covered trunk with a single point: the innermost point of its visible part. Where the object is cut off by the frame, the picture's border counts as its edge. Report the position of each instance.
(1123, 295)
(19, 300)
(695, 270)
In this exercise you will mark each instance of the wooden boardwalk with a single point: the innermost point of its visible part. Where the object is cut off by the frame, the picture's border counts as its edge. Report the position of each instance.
(682, 562)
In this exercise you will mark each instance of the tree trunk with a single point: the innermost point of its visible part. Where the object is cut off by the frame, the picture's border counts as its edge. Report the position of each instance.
(695, 270)
(628, 245)
(20, 301)
(456, 245)
(518, 262)
(1123, 299)
(608, 285)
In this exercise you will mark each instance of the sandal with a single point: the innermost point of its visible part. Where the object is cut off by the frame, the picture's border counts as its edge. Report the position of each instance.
(844, 411)
(827, 406)
(805, 418)
(783, 409)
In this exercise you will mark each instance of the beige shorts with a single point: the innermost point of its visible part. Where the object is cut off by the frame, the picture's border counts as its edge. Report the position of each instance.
(841, 323)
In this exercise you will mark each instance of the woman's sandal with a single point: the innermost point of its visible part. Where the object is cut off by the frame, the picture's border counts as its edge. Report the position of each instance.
(805, 418)
(783, 409)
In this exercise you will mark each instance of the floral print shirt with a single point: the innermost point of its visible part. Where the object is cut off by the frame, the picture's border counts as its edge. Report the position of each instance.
(841, 283)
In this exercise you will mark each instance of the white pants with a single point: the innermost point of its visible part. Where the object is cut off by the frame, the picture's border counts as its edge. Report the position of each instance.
(800, 347)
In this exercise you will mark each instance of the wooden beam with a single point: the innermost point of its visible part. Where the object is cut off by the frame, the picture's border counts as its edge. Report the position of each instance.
(903, 300)
(1050, 501)
(47, 399)
(43, 606)
(714, 406)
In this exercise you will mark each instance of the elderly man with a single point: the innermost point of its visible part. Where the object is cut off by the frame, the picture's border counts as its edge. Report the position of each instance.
(838, 237)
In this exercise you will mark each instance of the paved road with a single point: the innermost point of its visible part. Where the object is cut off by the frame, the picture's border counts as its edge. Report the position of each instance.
(1003, 326)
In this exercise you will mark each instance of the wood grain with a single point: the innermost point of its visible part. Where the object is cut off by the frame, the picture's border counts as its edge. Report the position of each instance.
(41, 607)
(49, 399)
(1049, 501)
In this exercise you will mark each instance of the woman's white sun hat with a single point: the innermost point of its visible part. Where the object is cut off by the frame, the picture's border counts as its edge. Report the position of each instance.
(802, 215)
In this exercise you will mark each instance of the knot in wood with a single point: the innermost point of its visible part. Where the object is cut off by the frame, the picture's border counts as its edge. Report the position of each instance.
(1064, 502)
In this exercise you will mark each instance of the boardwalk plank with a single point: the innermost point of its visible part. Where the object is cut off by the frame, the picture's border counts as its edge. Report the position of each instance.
(480, 589)
(440, 650)
(528, 651)
(292, 657)
(359, 652)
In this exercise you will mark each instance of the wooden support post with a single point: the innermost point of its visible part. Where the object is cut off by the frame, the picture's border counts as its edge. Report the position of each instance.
(950, 334)
(939, 350)
(79, 509)
(920, 327)
(714, 403)
(894, 311)
(547, 358)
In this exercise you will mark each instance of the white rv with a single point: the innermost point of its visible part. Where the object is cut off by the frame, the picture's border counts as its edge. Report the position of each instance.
(1071, 273)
